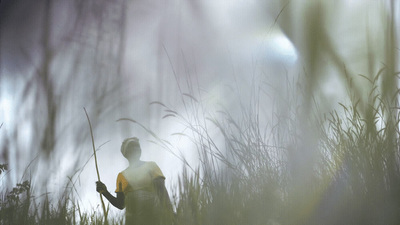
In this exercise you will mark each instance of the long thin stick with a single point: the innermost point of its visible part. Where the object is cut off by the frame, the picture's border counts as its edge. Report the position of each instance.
(97, 168)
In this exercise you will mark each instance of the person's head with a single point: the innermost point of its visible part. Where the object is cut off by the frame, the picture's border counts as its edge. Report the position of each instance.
(130, 149)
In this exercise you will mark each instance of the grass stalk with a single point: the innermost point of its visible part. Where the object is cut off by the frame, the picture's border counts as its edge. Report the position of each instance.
(97, 167)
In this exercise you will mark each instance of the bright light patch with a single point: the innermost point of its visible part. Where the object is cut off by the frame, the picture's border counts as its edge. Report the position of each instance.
(283, 46)
(5, 107)
(277, 47)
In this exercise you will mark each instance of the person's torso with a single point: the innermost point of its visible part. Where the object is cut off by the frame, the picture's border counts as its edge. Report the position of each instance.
(140, 178)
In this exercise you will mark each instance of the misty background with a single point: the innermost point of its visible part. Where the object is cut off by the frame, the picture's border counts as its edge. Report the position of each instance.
(116, 57)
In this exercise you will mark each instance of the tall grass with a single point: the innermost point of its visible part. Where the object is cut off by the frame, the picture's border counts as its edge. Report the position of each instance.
(274, 173)
(21, 206)
(303, 166)
(342, 167)
(346, 173)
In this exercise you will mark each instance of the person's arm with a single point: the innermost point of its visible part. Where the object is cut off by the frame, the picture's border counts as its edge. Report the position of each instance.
(162, 192)
(118, 202)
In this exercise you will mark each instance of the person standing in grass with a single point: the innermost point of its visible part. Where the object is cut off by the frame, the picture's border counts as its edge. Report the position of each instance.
(140, 188)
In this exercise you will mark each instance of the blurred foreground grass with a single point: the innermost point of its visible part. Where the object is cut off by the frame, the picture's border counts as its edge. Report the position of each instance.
(336, 168)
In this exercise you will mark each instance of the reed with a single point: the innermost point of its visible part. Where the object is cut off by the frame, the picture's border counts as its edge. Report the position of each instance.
(97, 168)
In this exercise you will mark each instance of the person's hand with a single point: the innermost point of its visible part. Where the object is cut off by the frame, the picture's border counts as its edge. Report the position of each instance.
(100, 187)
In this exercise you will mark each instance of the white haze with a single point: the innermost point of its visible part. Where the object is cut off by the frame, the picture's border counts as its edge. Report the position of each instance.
(216, 44)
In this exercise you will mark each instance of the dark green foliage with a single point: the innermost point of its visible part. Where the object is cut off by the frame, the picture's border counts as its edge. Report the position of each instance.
(15, 205)
(3, 168)
(19, 206)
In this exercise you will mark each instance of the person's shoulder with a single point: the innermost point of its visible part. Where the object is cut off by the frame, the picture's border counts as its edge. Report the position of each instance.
(152, 164)
(120, 176)
(155, 170)
(123, 171)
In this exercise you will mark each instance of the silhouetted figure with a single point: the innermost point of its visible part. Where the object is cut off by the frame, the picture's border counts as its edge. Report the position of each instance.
(141, 189)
